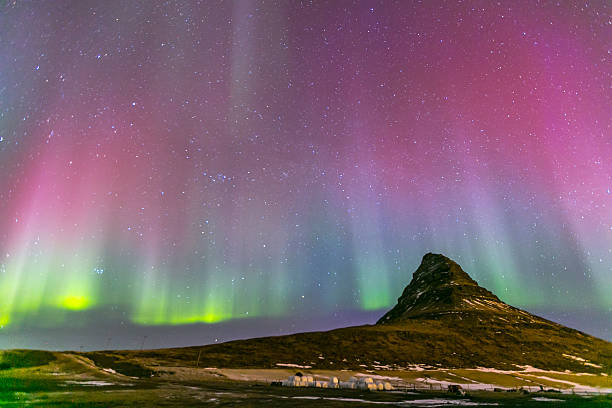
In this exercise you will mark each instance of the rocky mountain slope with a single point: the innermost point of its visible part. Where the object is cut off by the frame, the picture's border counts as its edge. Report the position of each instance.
(439, 287)
(442, 319)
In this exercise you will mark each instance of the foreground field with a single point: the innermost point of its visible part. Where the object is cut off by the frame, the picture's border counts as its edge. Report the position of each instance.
(45, 379)
(152, 394)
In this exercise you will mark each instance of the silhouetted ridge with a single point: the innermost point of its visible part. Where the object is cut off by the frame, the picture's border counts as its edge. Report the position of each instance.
(439, 285)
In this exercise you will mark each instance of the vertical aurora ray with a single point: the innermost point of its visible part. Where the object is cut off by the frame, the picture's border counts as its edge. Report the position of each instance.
(168, 164)
(371, 264)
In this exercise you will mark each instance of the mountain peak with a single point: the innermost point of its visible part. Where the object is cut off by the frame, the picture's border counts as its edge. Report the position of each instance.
(440, 286)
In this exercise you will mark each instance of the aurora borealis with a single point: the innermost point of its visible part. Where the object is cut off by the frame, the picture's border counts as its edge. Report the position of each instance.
(223, 162)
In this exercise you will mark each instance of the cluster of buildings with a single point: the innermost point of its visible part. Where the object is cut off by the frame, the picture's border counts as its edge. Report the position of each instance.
(355, 383)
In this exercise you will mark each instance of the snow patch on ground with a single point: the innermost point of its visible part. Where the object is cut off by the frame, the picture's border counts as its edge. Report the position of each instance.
(544, 399)
(91, 383)
(362, 401)
(575, 387)
(545, 378)
(419, 367)
(582, 360)
(382, 367)
(436, 402)
(530, 369)
(493, 370)
(292, 365)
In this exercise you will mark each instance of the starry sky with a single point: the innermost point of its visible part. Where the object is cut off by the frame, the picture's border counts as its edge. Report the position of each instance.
(239, 166)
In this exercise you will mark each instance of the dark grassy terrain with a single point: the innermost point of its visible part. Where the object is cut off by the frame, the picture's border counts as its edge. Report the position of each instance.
(24, 358)
(118, 363)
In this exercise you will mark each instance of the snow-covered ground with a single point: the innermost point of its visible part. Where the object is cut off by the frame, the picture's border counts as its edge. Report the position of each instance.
(533, 373)
(91, 383)
(292, 365)
(544, 399)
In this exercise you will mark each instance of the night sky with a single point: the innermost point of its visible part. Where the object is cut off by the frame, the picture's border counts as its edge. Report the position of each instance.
(233, 168)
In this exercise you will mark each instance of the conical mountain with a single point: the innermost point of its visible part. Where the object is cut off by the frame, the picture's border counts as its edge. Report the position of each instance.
(440, 286)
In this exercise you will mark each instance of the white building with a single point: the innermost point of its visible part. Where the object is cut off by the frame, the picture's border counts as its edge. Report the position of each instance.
(359, 383)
